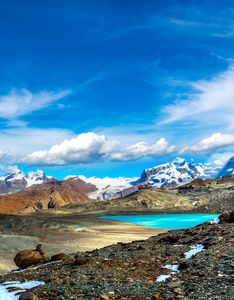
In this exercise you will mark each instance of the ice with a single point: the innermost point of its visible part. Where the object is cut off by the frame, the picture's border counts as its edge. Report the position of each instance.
(106, 187)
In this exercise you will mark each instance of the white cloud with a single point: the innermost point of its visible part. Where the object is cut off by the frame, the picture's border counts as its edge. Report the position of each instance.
(211, 102)
(211, 144)
(89, 148)
(221, 159)
(143, 149)
(22, 102)
(85, 148)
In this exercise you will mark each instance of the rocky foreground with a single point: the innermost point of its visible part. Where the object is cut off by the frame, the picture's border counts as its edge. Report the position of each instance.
(134, 270)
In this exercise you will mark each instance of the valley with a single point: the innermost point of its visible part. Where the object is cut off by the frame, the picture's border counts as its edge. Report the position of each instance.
(61, 215)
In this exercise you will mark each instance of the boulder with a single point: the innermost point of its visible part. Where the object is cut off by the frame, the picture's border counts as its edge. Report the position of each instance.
(227, 217)
(59, 256)
(80, 260)
(169, 239)
(28, 296)
(27, 258)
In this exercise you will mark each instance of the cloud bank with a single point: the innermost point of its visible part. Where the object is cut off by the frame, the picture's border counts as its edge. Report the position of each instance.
(143, 149)
(89, 148)
(211, 144)
(85, 148)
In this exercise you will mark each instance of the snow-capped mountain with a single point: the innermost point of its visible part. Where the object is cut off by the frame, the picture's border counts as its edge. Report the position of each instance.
(36, 178)
(16, 180)
(109, 188)
(176, 173)
(170, 175)
(228, 169)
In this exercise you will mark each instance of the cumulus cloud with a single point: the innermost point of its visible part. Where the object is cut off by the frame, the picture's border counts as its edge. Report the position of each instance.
(85, 148)
(22, 102)
(211, 144)
(89, 148)
(143, 149)
(209, 98)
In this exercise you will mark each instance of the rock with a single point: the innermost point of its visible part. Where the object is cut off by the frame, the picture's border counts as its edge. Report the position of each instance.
(105, 297)
(183, 265)
(169, 239)
(227, 217)
(187, 240)
(27, 258)
(80, 261)
(28, 296)
(59, 256)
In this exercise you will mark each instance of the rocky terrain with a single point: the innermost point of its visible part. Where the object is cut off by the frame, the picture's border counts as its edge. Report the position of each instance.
(176, 173)
(51, 194)
(195, 263)
(198, 196)
(170, 175)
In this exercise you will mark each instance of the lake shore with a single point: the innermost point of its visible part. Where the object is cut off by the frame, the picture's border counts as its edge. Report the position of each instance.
(96, 233)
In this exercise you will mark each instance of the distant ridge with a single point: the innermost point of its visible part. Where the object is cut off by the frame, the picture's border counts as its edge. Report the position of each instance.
(51, 194)
(176, 173)
(169, 175)
(15, 181)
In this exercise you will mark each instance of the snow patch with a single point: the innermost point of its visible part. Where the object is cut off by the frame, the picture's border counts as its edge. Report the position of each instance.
(6, 295)
(215, 221)
(172, 267)
(194, 250)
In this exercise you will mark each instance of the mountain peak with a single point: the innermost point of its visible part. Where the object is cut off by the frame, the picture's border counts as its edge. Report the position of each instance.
(228, 169)
(179, 161)
(175, 173)
(37, 177)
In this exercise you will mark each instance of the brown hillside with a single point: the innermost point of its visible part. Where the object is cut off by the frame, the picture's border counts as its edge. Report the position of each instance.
(54, 193)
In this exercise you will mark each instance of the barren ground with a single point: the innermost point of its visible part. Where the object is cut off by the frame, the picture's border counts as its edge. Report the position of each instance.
(97, 233)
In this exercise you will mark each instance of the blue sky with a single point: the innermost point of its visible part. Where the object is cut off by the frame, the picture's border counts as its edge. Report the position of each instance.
(109, 88)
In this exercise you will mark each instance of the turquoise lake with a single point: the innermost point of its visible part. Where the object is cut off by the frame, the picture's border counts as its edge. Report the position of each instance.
(170, 221)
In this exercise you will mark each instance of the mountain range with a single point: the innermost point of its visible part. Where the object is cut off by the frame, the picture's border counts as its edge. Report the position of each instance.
(15, 181)
(36, 190)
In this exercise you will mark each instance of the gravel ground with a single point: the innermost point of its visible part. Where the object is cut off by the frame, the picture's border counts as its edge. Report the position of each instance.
(132, 270)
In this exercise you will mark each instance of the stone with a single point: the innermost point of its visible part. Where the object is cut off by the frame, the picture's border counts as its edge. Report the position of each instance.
(59, 256)
(169, 239)
(227, 217)
(28, 296)
(30, 257)
(105, 297)
(80, 261)
(183, 265)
